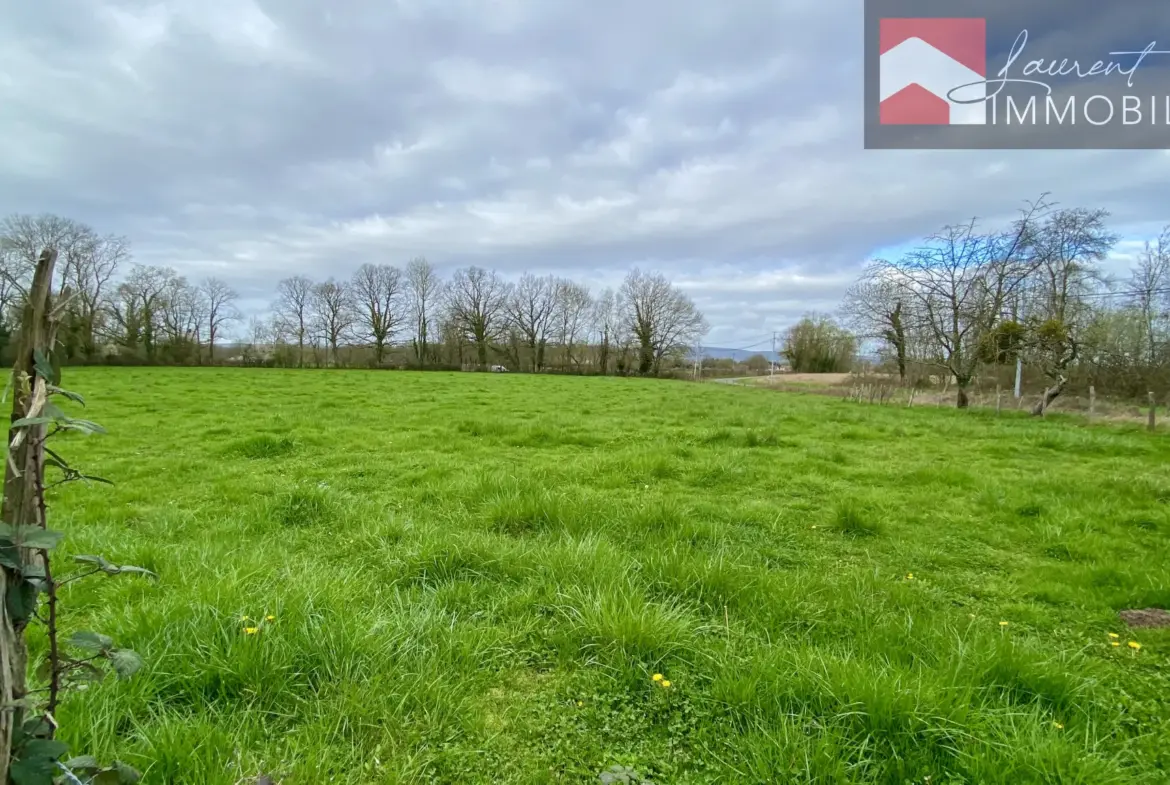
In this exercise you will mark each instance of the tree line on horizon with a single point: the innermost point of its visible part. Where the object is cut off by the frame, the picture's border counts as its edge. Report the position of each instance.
(964, 305)
(383, 316)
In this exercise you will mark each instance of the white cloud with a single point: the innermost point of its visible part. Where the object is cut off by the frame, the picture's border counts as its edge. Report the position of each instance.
(719, 143)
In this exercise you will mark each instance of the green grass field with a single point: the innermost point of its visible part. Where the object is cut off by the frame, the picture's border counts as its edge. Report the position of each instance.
(472, 578)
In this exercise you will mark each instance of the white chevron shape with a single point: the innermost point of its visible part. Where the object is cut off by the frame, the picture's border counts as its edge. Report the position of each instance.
(916, 62)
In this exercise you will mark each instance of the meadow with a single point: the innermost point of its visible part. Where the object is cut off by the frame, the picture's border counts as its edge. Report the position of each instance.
(390, 577)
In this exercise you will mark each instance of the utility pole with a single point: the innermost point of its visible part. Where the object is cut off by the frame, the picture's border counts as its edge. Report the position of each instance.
(772, 359)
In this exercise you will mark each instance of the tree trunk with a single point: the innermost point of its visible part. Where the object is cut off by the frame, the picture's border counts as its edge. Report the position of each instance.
(22, 481)
(961, 399)
(1050, 395)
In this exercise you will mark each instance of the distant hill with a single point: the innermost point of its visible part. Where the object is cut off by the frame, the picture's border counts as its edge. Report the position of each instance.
(738, 355)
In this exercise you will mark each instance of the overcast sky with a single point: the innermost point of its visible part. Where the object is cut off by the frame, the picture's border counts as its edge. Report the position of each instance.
(717, 142)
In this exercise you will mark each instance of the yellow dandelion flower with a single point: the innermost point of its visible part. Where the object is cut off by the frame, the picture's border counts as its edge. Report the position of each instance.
(251, 630)
(665, 682)
(1058, 725)
(1114, 635)
(270, 618)
(1116, 643)
(657, 677)
(1003, 624)
(1134, 645)
(909, 576)
(580, 703)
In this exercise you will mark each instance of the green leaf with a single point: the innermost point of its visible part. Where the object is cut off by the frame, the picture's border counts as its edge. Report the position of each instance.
(83, 763)
(36, 762)
(138, 571)
(31, 536)
(97, 561)
(75, 397)
(125, 662)
(114, 569)
(93, 478)
(93, 641)
(26, 422)
(127, 775)
(10, 556)
(45, 669)
(85, 426)
(37, 726)
(53, 459)
(54, 411)
(21, 600)
(43, 366)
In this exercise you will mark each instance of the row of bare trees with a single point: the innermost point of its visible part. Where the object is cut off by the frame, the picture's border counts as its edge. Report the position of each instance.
(382, 315)
(972, 301)
(151, 313)
(477, 318)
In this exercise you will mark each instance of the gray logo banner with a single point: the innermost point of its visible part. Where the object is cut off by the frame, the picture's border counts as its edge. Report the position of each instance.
(1051, 74)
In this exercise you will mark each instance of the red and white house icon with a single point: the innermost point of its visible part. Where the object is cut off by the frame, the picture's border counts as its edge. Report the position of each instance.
(922, 60)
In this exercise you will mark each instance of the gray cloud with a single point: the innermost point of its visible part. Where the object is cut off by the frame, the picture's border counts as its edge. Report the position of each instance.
(719, 143)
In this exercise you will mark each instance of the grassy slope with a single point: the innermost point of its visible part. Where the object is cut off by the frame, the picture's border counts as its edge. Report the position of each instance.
(473, 578)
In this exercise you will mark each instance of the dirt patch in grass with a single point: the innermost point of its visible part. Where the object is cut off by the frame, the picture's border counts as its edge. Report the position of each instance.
(1147, 617)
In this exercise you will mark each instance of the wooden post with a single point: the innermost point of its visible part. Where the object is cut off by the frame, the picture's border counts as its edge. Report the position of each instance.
(998, 399)
(22, 486)
(1153, 423)
(910, 403)
(1092, 401)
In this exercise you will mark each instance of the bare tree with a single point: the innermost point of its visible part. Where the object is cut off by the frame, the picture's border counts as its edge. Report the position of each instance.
(218, 308)
(573, 310)
(606, 317)
(256, 339)
(874, 309)
(958, 285)
(1067, 248)
(424, 289)
(293, 311)
(1150, 293)
(136, 308)
(475, 302)
(182, 315)
(333, 315)
(531, 307)
(660, 317)
(23, 237)
(377, 295)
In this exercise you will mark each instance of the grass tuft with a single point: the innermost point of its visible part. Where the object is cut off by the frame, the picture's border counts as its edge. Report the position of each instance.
(852, 521)
(303, 507)
(263, 446)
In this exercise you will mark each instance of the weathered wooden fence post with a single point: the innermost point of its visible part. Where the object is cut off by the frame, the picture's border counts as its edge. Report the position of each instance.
(22, 489)
(998, 399)
(1092, 401)
(1153, 423)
